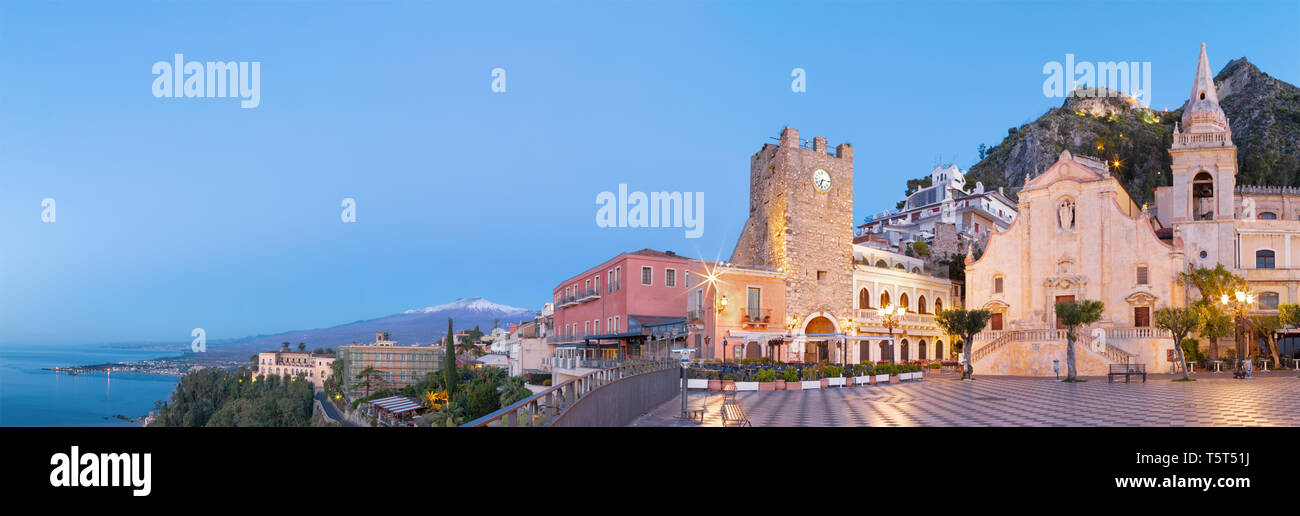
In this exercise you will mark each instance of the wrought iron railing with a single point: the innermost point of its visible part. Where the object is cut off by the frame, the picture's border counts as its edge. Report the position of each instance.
(543, 408)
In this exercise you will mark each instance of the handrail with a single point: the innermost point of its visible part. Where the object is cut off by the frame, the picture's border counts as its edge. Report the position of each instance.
(543, 408)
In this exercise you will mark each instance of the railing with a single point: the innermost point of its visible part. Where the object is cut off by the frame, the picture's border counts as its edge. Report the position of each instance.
(580, 363)
(567, 339)
(1189, 139)
(995, 344)
(1112, 353)
(544, 408)
(996, 340)
(870, 316)
(696, 314)
(588, 295)
(1137, 332)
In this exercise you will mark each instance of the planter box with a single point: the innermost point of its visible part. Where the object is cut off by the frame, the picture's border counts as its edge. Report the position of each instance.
(746, 386)
(835, 382)
(862, 380)
(881, 378)
(793, 386)
(715, 385)
(826, 382)
(768, 386)
(810, 384)
(697, 384)
(779, 385)
(728, 383)
(895, 379)
(848, 381)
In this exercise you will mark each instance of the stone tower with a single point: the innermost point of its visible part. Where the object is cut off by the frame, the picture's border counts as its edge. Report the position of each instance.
(801, 223)
(1204, 174)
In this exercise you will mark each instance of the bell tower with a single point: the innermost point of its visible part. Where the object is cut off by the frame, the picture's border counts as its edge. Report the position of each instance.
(1204, 173)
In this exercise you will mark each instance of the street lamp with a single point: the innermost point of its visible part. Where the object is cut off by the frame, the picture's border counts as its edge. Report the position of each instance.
(889, 316)
(1239, 305)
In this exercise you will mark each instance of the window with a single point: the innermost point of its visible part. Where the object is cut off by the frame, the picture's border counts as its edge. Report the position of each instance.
(882, 264)
(1264, 259)
(821, 275)
(586, 327)
(920, 306)
(618, 325)
(596, 281)
(884, 299)
(902, 300)
(997, 285)
(1268, 300)
(1142, 275)
(938, 307)
(618, 278)
(609, 324)
(670, 277)
(864, 299)
(610, 284)
(1141, 316)
(1267, 215)
(755, 302)
(647, 276)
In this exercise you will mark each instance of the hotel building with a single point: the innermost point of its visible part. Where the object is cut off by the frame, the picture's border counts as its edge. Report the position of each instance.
(287, 364)
(398, 366)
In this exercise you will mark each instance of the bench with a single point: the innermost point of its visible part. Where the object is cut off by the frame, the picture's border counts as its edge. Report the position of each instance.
(1127, 371)
(733, 414)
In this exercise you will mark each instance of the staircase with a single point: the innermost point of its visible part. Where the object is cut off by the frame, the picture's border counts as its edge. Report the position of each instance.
(1112, 354)
(998, 341)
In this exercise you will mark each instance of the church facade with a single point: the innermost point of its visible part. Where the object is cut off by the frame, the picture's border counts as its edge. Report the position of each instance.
(1079, 235)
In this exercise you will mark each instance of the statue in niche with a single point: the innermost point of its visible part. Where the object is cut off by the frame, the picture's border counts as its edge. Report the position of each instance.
(1065, 215)
(1099, 340)
(1248, 208)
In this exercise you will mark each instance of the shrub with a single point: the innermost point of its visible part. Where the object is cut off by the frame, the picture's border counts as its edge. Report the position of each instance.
(834, 371)
(790, 374)
(935, 365)
(885, 368)
(765, 375)
(729, 376)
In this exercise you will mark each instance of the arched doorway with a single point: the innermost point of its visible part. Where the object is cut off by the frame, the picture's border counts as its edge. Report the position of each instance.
(864, 351)
(920, 348)
(864, 299)
(752, 350)
(884, 298)
(902, 300)
(886, 351)
(938, 350)
(818, 350)
(902, 350)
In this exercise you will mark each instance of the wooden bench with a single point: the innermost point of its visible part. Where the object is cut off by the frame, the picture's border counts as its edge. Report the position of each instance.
(733, 414)
(1127, 371)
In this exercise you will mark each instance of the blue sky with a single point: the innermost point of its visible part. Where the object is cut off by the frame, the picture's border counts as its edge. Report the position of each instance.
(181, 213)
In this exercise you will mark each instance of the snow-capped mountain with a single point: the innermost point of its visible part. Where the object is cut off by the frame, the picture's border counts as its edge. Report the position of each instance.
(417, 326)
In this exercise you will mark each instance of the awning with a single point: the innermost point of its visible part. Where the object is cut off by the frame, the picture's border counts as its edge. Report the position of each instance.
(397, 404)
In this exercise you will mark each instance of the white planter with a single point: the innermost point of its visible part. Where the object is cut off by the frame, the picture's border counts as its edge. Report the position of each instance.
(835, 382)
(814, 384)
(904, 376)
(746, 386)
(861, 380)
(882, 378)
(694, 383)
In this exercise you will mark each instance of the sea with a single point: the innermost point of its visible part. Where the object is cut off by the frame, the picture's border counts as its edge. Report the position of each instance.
(30, 396)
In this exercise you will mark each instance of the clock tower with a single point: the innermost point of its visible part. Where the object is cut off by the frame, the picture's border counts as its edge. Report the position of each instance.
(801, 223)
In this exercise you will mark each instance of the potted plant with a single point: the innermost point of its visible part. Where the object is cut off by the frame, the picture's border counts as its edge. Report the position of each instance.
(715, 383)
(792, 382)
(729, 380)
(811, 378)
(885, 372)
(766, 379)
(834, 376)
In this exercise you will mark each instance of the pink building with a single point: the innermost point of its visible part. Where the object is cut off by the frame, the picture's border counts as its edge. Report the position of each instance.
(624, 307)
(736, 312)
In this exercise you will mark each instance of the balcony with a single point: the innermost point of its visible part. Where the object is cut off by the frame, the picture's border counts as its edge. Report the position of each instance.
(756, 318)
(587, 295)
(695, 314)
(871, 317)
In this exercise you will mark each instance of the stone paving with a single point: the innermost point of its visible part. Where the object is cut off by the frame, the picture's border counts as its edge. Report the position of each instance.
(1215, 399)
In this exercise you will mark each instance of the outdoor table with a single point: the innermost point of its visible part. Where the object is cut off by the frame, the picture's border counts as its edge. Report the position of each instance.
(1265, 361)
(1218, 365)
(1295, 362)
(1191, 367)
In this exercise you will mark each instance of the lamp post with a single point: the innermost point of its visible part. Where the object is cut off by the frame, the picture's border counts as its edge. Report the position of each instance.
(1239, 305)
(722, 306)
(889, 316)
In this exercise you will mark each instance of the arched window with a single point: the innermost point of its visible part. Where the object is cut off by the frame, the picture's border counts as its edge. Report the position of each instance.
(884, 299)
(1264, 259)
(916, 270)
(938, 305)
(900, 267)
(902, 350)
(1203, 196)
(882, 264)
(920, 305)
(1268, 300)
(1267, 215)
(902, 300)
(886, 352)
(864, 299)
(920, 348)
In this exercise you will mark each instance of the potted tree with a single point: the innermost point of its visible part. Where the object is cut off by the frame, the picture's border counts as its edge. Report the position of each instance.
(792, 382)
(766, 379)
(811, 378)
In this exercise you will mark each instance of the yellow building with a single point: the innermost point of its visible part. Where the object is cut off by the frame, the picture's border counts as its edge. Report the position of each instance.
(396, 366)
(315, 368)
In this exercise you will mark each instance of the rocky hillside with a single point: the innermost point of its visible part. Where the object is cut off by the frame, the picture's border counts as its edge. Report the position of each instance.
(1264, 113)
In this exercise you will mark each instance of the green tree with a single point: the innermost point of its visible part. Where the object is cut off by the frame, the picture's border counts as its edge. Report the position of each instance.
(965, 323)
(1266, 326)
(1073, 315)
(1212, 284)
(450, 377)
(302, 346)
(367, 378)
(284, 347)
(1179, 322)
(921, 249)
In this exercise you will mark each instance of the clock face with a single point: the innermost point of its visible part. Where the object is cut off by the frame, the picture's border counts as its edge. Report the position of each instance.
(821, 180)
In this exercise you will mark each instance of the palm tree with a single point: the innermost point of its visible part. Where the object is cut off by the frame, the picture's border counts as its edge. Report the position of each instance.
(966, 323)
(302, 346)
(284, 347)
(512, 390)
(1179, 322)
(1074, 314)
